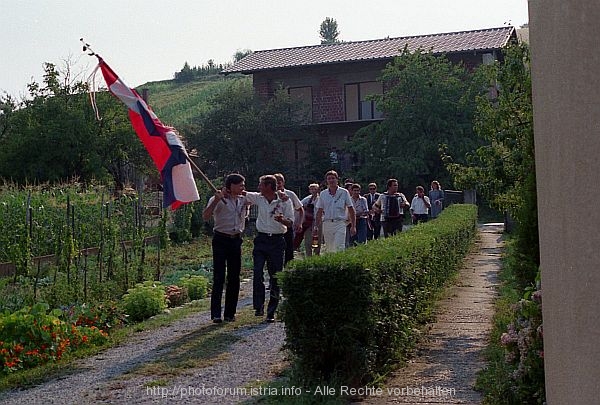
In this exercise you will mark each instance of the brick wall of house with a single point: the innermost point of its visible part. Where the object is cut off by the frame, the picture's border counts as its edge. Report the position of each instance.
(328, 101)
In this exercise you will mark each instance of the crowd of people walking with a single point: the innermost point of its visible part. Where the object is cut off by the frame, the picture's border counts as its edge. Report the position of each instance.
(328, 220)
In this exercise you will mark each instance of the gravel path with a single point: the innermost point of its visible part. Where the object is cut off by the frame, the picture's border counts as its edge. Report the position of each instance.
(253, 356)
(445, 368)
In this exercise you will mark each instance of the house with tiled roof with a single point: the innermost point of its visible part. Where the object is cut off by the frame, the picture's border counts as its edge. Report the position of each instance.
(336, 80)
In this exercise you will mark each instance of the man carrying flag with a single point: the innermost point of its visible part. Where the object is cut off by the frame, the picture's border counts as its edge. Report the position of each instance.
(161, 142)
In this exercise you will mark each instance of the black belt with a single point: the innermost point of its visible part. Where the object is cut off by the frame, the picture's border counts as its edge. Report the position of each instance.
(226, 235)
(270, 234)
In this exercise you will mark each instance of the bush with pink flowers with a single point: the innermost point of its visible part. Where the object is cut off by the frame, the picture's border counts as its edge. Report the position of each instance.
(524, 349)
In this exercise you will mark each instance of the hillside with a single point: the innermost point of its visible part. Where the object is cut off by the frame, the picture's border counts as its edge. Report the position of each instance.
(180, 103)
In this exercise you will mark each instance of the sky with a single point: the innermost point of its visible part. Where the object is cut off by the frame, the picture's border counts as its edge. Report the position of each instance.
(150, 40)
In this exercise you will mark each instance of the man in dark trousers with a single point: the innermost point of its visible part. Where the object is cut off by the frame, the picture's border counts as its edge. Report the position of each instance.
(374, 229)
(298, 217)
(275, 216)
(390, 206)
(229, 220)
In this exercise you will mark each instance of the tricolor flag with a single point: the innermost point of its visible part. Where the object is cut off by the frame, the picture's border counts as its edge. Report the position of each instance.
(161, 142)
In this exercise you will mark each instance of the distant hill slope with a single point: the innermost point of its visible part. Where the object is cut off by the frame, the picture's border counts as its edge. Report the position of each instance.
(181, 103)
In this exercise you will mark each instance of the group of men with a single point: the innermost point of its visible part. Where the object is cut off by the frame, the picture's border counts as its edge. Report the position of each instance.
(277, 208)
(334, 216)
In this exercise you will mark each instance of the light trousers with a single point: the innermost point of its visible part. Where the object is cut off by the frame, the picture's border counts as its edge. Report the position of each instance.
(334, 234)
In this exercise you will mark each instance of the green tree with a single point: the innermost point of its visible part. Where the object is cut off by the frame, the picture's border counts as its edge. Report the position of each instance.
(54, 136)
(241, 54)
(185, 74)
(503, 170)
(428, 104)
(328, 31)
(244, 134)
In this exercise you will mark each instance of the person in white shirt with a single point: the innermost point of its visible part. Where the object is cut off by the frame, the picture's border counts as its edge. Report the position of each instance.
(275, 216)
(334, 207)
(298, 217)
(390, 206)
(229, 222)
(419, 206)
(361, 209)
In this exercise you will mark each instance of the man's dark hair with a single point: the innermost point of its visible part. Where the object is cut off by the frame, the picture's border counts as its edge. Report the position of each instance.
(390, 181)
(233, 178)
(270, 180)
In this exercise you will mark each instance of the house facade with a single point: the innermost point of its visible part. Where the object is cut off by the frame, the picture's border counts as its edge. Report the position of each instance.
(335, 81)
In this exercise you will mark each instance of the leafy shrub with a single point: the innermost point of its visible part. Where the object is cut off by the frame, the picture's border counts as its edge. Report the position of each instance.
(197, 286)
(14, 296)
(349, 314)
(144, 300)
(103, 316)
(524, 350)
(34, 336)
(176, 295)
(173, 276)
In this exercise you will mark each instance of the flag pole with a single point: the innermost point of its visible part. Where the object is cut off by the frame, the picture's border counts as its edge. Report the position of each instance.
(90, 52)
(206, 179)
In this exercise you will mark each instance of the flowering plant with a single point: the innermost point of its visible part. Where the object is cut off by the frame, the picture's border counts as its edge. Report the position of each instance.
(176, 295)
(34, 336)
(103, 316)
(524, 350)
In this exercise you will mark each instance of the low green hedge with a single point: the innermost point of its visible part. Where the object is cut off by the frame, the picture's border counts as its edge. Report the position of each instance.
(348, 315)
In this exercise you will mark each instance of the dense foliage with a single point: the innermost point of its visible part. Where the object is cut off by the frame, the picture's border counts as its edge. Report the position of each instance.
(35, 335)
(351, 314)
(429, 105)
(54, 135)
(242, 133)
(328, 31)
(503, 170)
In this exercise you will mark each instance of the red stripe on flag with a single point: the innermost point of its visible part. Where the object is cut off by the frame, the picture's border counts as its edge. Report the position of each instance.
(168, 155)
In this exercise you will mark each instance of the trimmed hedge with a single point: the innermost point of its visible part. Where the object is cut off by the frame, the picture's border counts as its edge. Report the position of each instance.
(348, 315)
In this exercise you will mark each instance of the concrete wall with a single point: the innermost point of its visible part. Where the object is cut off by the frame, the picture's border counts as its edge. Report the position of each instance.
(564, 36)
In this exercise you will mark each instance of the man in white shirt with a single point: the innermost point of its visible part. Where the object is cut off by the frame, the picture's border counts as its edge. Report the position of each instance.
(419, 206)
(274, 217)
(229, 221)
(334, 207)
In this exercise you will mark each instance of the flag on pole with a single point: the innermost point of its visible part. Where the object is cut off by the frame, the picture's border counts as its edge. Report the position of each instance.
(161, 142)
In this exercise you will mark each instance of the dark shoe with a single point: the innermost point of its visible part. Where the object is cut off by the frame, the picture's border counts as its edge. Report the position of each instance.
(259, 312)
(229, 318)
(217, 320)
(270, 319)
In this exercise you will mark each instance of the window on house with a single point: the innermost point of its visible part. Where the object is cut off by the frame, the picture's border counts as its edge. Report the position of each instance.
(359, 106)
(303, 95)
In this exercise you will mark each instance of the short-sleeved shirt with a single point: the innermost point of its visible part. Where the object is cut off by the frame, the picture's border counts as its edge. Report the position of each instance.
(417, 206)
(309, 203)
(296, 203)
(334, 206)
(265, 221)
(229, 218)
(361, 207)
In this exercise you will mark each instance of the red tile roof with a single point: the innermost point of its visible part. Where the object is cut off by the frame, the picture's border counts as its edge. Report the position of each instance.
(452, 42)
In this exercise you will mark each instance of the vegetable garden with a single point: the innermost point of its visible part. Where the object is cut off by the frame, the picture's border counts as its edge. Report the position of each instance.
(76, 260)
